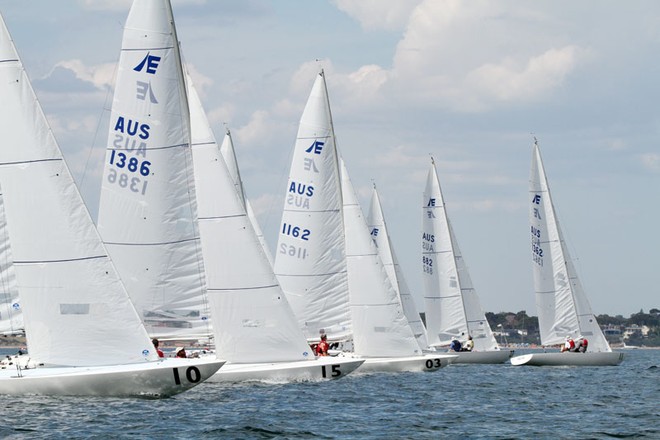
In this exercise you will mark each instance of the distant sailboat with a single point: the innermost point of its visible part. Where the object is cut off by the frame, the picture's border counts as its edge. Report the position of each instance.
(83, 333)
(562, 304)
(453, 310)
(326, 261)
(254, 326)
(147, 210)
(381, 237)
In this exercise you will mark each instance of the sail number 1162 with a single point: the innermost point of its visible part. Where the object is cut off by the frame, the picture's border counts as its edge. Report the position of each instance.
(295, 231)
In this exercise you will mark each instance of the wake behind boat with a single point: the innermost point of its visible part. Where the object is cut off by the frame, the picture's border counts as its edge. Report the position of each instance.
(71, 295)
(563, 307)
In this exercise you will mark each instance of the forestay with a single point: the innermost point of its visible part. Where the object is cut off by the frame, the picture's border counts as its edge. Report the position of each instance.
(561, 302)
(453, 309)
(71, 295)
(380, 235)
(11, 315)
(309, 260)
(252, 319)
(380, 327)
(147, 213)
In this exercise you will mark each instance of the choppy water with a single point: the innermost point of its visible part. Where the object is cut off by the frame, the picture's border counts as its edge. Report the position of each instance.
(460, 401)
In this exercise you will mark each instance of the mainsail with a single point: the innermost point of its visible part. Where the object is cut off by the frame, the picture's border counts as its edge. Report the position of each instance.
(148, 213)
(310, 260)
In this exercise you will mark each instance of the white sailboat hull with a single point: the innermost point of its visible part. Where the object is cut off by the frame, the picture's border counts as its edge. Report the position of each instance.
(164, 378)
(322, 368)
(426, 363)
(483, 357)
(569, 359)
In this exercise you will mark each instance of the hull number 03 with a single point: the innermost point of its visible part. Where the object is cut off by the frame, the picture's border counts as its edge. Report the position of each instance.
(433, 363)
(192, 374)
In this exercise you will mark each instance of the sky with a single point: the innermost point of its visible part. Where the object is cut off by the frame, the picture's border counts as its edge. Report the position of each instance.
(469, 83)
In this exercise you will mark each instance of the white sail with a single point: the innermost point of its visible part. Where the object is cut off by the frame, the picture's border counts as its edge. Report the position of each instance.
(381, 237)
(310, 260)
(147, 212)
(252, 319)
(380, 327)
(562, 305)
(75, 308)
(453, 309)
(11, 315)
(229, 155)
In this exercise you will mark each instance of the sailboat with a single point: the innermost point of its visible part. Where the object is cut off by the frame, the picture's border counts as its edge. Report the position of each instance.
(562, 304)
(381, 237)
(83, 334)
(453, 310)
(254, 326)
(326, 262)
(147, 211)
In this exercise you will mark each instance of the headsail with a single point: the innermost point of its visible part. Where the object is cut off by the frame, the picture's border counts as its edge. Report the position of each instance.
(148, 212)
(380, 327)
(75, 307)
(310, 262)
(561, 303)
(381, 237)
(252, 319)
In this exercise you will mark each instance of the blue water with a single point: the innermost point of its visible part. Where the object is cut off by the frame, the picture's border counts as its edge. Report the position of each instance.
(460, 401)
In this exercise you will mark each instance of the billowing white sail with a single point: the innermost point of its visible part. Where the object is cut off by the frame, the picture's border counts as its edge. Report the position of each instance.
(229, 154)
(381, 237)
(309, 259)
(380, 327)
(252, 319)
(11, 315)
(452, 305)
(561, 303)
(147, 212)
(75, 308)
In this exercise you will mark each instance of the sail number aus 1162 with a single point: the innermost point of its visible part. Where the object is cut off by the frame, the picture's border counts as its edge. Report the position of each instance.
(295, 231)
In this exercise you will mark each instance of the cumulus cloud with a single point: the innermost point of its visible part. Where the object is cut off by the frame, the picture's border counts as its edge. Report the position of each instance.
(462, 56)
(101, 76)
(651, 161)
(378, 14)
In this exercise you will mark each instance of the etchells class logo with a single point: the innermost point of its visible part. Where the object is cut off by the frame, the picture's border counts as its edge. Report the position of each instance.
(148, 65)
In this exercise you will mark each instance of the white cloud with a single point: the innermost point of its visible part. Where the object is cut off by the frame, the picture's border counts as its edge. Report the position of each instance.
(443, 62)
(378, 14)
(101, 76)
(260, 124)
(651, 161)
